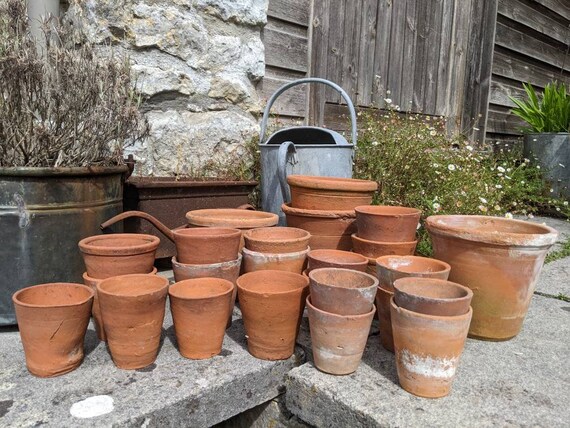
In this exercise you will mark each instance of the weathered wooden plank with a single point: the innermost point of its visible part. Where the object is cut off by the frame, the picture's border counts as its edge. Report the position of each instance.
(366, 51)
(396, 59)
(287, 27)
(433, 51)
(501, 122)
(291, 103)
(410, 34)
(336, 42)
(502, 89)
(319, 58)
(423, 22)
(285, 50)
(559, 6)
(382, 51)
(297, 11)
(531, 17)
(349, 75)
(442, 106)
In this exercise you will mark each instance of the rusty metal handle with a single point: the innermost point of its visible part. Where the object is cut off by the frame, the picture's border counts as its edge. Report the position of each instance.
(154, 221)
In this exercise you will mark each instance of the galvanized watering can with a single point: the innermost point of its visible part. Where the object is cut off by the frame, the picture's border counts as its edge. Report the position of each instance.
(306, 150)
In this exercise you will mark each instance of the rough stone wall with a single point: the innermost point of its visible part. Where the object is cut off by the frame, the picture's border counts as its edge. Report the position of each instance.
(197, 62)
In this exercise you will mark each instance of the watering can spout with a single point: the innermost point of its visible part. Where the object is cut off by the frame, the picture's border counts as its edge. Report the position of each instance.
(155, 222)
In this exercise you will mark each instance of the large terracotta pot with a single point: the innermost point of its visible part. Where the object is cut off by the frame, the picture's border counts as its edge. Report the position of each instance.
(336, 258)
(207, 245)
(53, 319)
(387, 223)
(276, 240)
(272, 304)
(499, 260)
(391, 268)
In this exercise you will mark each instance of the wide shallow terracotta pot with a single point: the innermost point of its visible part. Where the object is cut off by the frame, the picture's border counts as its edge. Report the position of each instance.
(342, 291)
(96, 311)
(272, 304)
(428, 349)
(432, 296)
(329, 193)
(53, 319)
(499, 260)
(132, 307)
(276, 240)
(207, 245)
(118, 254)
(289, 262)
(383, 298)
(391, 268)
(338, 341)
(200, 310)
(387, 223)
(336, 258)
(231, 217)
(375, 249)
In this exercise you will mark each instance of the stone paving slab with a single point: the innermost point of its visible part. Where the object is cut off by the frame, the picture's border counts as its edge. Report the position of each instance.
(555, 278)
(173, 392)
(521, 382)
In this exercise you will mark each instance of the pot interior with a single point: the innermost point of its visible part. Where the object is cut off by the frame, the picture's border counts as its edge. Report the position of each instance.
(56, 294)
(270, 281)
(387, 210)
(119, 241)
(200, 288)
(411, 264)
(277, 234)
(491, 225)
(431, 288)
(337, 256)
(132, 285)
(343, 278)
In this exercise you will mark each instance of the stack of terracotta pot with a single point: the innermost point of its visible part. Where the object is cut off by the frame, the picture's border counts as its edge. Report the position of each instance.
(341, 309)
(324, 206)
(385, 230)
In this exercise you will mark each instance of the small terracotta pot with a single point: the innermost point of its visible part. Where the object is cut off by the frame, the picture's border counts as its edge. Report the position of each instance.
(329, 193)
(336, 258)
(342, 291)
(374, 249)
(428, 349)
(231, 217)
(391, 268)
(499, 260)
(118, 254)
(96, 310)
(53, 319)
(132, 308)
(207, 245)
(276, 240)
(383, 298)
(200, 310)
(387, 223)
(338, 341)
(289, 262)
(432, 296)
(272, 304)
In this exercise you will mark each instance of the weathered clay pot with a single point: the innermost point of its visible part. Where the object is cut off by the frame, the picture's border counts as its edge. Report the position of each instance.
(290, 262)
(53, 319)
(272, 304)
(428, 349)
(387, 223)
(383, 298)
(391, 268)
(200, 310)
(276, 240)
(231, 217)
(432, 296)
(132, 308)
(329, 193)
(207, 245)
(118, 254)
(328, 229)
(342, 291)
(374, 249)
(336, 258)
(499, 260)
(338, 341)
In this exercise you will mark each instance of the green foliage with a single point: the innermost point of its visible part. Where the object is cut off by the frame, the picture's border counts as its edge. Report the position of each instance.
(549, 112)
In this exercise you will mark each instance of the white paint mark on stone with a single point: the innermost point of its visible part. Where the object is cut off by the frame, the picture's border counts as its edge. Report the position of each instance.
(441, 368)
(92, 407)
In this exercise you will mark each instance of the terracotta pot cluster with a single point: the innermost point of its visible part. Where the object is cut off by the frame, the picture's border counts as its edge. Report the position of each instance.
(430, 320)
(385, 230)
(324, 206)
(341, 309)
(275, 248)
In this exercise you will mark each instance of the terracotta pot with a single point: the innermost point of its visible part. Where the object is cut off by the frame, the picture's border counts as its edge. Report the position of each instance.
(499, 260)
(383, 298)
(231, 217)
(391, 268)
(371, 268)
(53, 319)
(132, 307)
(96, 311)
(342, 291)
(374, 249)
(200, 310)
(329, 193)
(338, 341)
(276, 240)
(387, 223)
(428, 349)
(290, 262)
(207, 245)
(432, 296)
(118, 254)
(272, 304)
(336, 258)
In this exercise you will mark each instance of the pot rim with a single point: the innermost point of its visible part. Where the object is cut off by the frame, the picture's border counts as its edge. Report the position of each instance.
(281, 256)
(331, 314)
(173, 290)
(30, 171)
(448, 318)
(288, 210)
(380, 260)
(358, 273)
(332, 183)
(275, 274)
(86, 277)
(228, 264)
(436, 224)
(302, 235)
(255, 219)
(401, 283)
(17, 301)
(384, 243)
(362, 259)
(159, 287)
(207, 232)
(151, 242)
(372, 211)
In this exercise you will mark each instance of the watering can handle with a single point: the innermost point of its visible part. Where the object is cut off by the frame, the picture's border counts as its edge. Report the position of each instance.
(284, 149)
(309, 80)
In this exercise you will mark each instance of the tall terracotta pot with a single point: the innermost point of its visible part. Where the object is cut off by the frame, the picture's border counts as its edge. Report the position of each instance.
(53, 319)
(499, 260)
